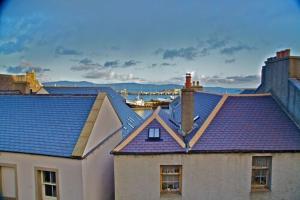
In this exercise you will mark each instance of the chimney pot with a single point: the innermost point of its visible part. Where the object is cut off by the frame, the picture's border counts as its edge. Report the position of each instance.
(188, 80)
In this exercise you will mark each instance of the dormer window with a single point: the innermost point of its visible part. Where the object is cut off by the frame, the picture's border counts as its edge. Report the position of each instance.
(154, 134)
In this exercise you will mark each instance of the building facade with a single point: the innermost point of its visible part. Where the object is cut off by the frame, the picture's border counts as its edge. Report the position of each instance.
(58, 146)
(24, 84)
(230, 147)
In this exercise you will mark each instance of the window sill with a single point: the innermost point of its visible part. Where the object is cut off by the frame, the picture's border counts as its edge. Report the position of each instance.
(170, 194)
(257, 189)
(154, 140)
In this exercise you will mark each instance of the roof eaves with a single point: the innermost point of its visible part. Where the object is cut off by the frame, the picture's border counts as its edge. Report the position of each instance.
(88, 126)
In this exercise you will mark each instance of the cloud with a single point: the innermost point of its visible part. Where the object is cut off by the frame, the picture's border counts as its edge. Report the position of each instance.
(232, 80)
(24, 67)
(218, 80)
(188, 53)
(216, 43)
(86, 61)
(203, 48)
(60, 50)
(167, 64)
(164, 64)
(230, 60)
(86, 64)
(112, 64)
(234, 49)
(130, 63)
(111, 75)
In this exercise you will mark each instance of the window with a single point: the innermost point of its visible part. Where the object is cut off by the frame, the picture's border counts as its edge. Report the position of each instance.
(154, 133)
(8, 181)
(47, 184)
(261, 173)
(170, 178)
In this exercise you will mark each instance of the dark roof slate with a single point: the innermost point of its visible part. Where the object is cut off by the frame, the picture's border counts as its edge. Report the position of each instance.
(46, 125)
(250, 123)
(128, 117)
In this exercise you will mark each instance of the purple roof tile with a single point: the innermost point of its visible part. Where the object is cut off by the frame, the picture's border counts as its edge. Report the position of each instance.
(141, 144)
(254, 123)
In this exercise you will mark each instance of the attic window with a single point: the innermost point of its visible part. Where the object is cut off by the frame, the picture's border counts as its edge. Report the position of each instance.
(154, 134)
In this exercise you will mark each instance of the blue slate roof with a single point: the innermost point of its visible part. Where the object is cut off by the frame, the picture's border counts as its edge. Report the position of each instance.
(243, 124)
(128, 117)
(45, 125)
(204, 105)
(250, 123)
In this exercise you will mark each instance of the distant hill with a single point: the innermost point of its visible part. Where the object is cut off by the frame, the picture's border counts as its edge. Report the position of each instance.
(136, 87)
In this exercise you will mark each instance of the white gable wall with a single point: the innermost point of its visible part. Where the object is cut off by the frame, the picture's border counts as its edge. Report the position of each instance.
(97, 168)
(106, 124)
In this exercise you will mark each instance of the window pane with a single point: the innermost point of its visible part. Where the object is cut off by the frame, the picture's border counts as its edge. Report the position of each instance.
(54, 190)
(46, 175)
(156, 133)
(53, 177)
(48, 190)
(151, 132)
(259, 177)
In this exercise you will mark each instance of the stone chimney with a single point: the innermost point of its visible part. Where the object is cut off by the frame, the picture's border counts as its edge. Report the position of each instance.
(187, 105)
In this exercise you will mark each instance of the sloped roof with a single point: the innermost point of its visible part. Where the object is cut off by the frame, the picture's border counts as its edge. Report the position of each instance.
(238, 123)
(128, 117)
(140, 144)
(251, 123)
(45, 125)
(204, 105)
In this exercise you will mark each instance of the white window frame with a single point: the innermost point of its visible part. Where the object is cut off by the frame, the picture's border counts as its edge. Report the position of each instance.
(154, 133)
(163, 174)
(40, 183)
(268, 171)
(51, 183)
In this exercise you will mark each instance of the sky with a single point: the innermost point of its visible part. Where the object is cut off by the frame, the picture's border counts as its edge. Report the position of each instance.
(223, 43)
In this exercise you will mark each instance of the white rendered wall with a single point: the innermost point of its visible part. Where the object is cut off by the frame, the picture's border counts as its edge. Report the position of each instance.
(206, 176)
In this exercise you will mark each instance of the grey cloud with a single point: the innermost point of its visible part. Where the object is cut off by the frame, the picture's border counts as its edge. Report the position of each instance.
(234, 49)
(167, 64)
(188, 53)
(60, 50)
(112, 64)
(230, 60)
(130, 63)
(86, 64)
(231, 79)
(86, 61)
(23, 69)
(216, 43)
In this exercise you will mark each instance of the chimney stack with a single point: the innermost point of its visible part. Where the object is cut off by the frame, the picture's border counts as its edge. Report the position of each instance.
(187, 105)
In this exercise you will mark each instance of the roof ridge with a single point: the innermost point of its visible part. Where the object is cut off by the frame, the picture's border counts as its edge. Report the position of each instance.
(250, 95)
(208, 121)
